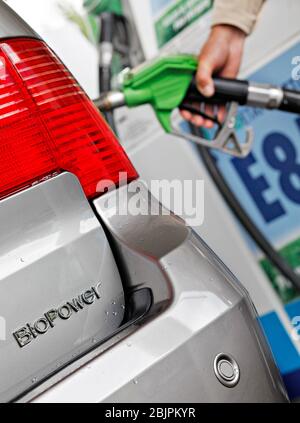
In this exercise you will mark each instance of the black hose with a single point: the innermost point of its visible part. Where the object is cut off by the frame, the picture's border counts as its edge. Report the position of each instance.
(291, 101)
(105, 72)
(243, 217)
(105, 76)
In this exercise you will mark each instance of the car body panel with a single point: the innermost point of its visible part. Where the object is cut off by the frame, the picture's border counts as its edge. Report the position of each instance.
(11, 25)
(52, 250)
(54, 245)
(199, 311)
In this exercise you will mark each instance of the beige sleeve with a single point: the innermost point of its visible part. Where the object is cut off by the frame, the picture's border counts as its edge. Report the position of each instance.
(240, 13)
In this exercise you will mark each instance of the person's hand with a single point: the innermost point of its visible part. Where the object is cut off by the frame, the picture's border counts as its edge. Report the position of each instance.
(222, 56)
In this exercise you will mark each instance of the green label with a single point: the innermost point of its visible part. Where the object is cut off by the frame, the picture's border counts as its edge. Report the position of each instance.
(284, 288)
(179, 16)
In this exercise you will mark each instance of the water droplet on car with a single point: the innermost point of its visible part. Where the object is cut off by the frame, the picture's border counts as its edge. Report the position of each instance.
(34, 380)
(135, 381)
(115, 313)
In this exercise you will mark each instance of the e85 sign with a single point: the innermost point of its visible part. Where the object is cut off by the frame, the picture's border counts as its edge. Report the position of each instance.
(267, 182)
(281, 156)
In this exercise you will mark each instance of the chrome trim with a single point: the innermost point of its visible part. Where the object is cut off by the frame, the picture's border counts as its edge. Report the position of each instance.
(229, 377)
(111, 100)
(264, 95)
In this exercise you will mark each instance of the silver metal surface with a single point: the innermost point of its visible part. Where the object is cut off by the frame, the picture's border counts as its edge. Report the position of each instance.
(11, 25)
(265, 96)
(226, 139)
(199, 310)
(110, 101)
(227, 370)
(53, 254)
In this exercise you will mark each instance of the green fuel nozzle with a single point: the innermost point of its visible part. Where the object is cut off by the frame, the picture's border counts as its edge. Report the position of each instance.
(162, 83)
(96, 7)
(169, 83)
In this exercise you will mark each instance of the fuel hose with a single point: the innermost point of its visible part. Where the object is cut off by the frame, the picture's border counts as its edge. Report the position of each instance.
(106, 50)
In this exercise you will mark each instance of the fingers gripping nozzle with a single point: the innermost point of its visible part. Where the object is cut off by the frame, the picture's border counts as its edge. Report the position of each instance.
(226, 138)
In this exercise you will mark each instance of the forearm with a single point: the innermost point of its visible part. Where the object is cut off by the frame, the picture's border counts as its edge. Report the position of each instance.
(239, 13)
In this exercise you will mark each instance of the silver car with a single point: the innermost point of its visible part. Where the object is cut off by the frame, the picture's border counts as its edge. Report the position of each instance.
(99, 304)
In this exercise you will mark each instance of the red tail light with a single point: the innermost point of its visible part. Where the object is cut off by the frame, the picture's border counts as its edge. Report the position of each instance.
(49, 125)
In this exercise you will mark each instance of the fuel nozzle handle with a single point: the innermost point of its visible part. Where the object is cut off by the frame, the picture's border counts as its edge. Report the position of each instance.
(226, 90)
(252, 94)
